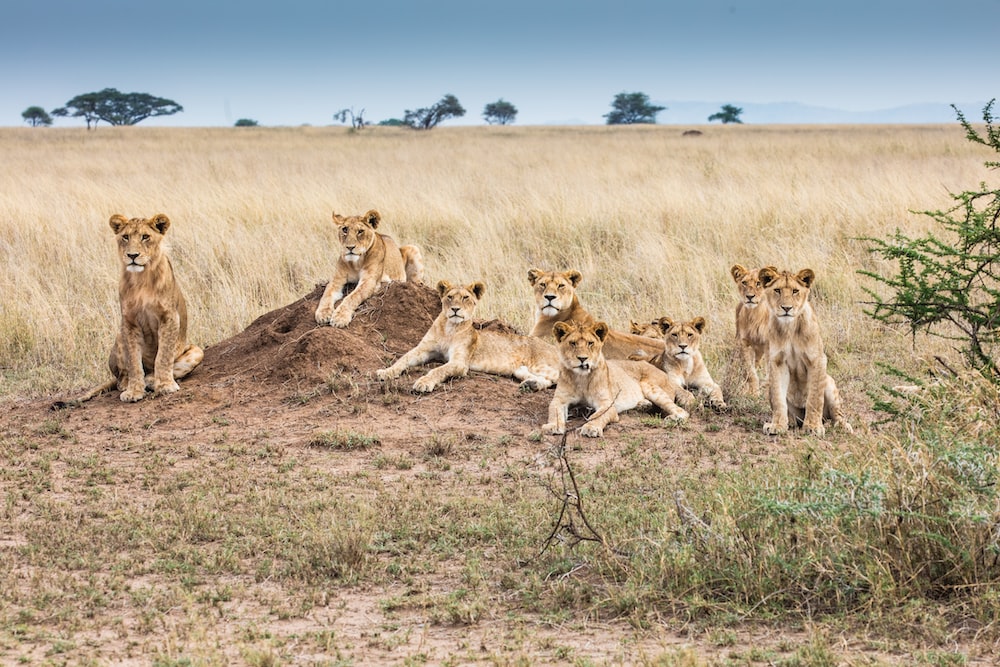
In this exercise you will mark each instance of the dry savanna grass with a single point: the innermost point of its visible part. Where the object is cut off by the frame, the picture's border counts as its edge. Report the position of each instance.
(651, 218)
(347, 521)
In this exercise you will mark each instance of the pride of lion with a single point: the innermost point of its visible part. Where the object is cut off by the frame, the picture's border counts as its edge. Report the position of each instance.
(656, 363)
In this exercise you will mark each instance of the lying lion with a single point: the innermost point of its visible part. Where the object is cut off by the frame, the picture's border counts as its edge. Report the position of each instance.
(151, 351)
(682, 360)
(453, 339)
(753, 319)
(367, 259)
(556, 301)
(607, 386)
(800, 390)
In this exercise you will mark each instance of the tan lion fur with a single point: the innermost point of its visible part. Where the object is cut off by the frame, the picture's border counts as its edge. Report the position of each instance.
(367, 259)
(682, 360)
(753, 319)
(608, 386)
(556, 301)
(151, 349)
(800, 389)
(452, 338)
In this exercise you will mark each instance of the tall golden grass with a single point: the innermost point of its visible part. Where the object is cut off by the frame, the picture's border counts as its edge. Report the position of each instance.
(652, 219)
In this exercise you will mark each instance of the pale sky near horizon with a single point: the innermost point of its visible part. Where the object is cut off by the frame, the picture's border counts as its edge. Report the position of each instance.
(558, 61)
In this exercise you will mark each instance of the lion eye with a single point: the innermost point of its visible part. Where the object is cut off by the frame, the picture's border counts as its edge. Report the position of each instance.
(145, 237)
(795, 291)
(343, 230)
(777, 291)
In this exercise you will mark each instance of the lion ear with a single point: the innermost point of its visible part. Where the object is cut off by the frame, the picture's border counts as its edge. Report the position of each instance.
(601, 330)
(443, 287)
(478, 288)
(373, 218)
(699, 324)
(738, 271)
(534, 275)
(634, 327)
(767, 275)
(664, 324)
(574, 277)
(160, 222)
(117, 222)
(561, 330)
(806, 276)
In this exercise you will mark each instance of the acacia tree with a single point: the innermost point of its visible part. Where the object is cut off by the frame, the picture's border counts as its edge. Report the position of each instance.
(728, 114)
(36, 117)
(948, 283)
(357, 119)
(117, 108)
(500, 112)
(630, 108)
(428, 117)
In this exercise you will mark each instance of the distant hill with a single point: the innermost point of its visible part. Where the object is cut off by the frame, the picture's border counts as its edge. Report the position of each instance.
(697, 113)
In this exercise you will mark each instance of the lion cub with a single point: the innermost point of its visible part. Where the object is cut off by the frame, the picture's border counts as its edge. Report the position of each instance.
(800, 389)
(607, 386)
(682, 360)
(367, 259)
(151, 351)
(453, 339)
(556, 301)
(752, 322)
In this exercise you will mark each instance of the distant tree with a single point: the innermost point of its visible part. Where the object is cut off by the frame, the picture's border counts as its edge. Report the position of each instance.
(246, 122)
(116, 108)
(36, 116)
(500, 112)
(357, 120)
(392, 122)
(629, 108)
(429, 117)
(728, 114)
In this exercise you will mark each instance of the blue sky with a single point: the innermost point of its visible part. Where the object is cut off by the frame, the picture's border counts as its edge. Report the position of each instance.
(293, 62)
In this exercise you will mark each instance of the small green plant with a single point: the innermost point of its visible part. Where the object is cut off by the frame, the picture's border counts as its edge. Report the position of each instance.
(948, 285)
(345, 441)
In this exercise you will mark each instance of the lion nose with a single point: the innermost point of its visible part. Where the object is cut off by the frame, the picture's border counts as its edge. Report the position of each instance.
(787, 309)
(454, 311)
(550, 297)
(132, 255)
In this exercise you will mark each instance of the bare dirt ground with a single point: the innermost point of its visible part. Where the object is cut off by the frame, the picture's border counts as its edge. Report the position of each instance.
(286, 380)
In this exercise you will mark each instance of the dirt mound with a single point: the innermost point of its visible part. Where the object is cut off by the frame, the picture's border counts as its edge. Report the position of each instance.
(287, 345)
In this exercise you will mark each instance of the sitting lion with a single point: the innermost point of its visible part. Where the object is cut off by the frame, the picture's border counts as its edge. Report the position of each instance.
(800, 389)
(682, 360)
(368, 259)
(607, 386)
(153, 334)
(556, 301)
(453, 339)
(752, 323)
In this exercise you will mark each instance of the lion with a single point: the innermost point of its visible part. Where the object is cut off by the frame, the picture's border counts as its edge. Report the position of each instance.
(648, 329)
(800, 389)
(556, 301)
(682, 360)
(151, 351)
(609, 386)
(367, 259)
(752, 323)
(453, 339)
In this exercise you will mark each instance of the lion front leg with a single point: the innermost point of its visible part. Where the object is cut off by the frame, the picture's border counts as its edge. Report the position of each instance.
(166, 349)
(344, 313)
(132, 376)
(333, 293)
(604, 415)
(815, 394)
(778, 393)
(558, 414)
(429, 381)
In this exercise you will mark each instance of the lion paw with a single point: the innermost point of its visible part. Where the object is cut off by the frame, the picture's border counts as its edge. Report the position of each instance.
(384, 374)
(552, 429)
(341, 318)
(324, 316)
(166, 387)
(678, 416)
(424, 386)
(591, 431)
(132, 395)
(815, 429)
(774, 429)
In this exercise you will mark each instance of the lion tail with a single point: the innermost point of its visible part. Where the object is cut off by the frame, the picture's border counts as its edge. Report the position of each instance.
(93, 393)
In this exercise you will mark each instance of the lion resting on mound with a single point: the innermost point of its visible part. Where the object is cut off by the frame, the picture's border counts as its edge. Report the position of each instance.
(453, 339)
(153, 334)
(607, 386)
(800, 389)
(556, 301)
(753, 319)
(682, 360)
(367, 259)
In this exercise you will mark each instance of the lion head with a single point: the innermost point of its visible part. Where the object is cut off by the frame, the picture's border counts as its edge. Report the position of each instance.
(647, 329)
(357, 233)
(554, 291)
(748, 283)
(580, 346)
(681, 339)
(458, 303)
(139, 240)
(787, 292)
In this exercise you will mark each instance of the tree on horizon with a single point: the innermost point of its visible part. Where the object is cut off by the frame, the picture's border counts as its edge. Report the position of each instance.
(117, 108)
(500, 112)
(427, 118)
(36, 117)
(632, 108)
(728, 114)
